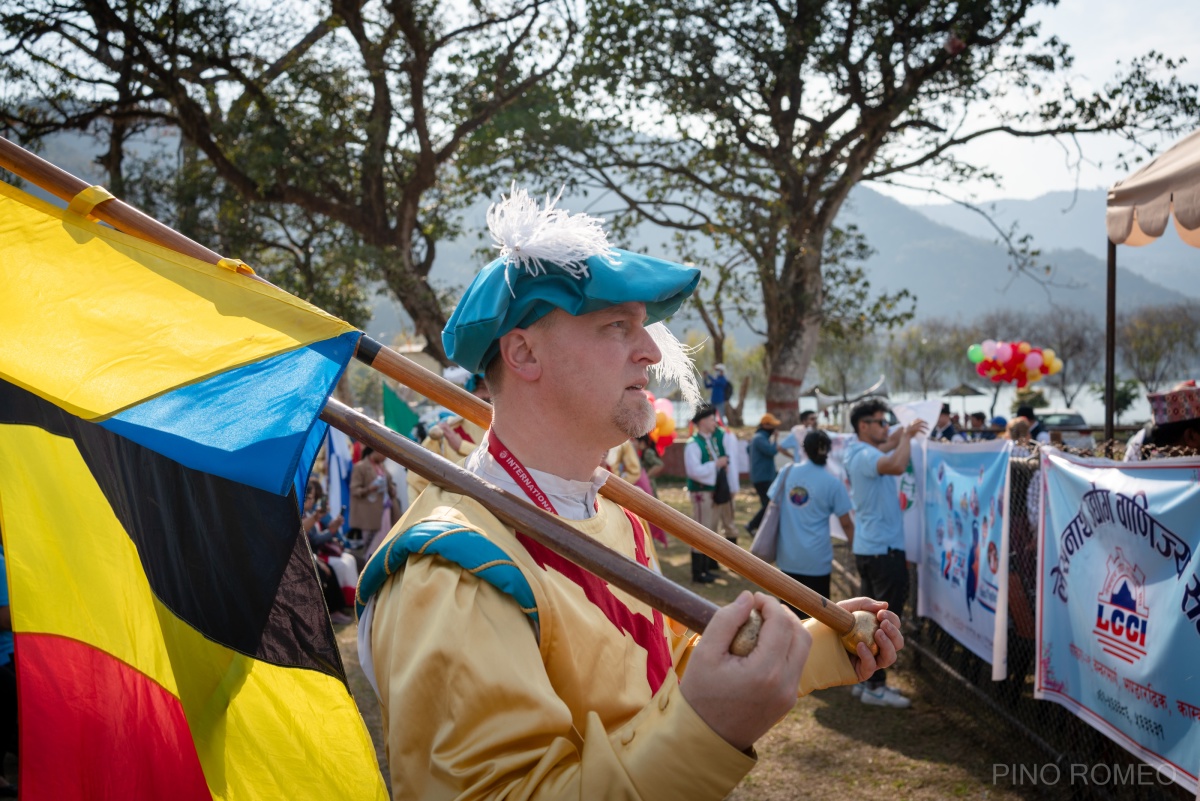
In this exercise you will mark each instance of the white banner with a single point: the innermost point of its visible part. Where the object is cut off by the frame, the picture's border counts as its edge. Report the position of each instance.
(1118, 616)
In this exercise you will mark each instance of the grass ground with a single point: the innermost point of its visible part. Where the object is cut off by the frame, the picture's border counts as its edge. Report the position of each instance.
(831, 746)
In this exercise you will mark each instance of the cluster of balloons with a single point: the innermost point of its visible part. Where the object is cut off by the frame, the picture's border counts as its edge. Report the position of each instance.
(1011, 362)
(663, 433)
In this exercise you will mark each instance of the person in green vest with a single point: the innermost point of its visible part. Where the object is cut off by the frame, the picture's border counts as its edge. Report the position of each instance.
(712, 480)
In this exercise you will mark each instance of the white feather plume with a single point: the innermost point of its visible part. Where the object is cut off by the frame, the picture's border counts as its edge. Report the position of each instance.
(676, 366)
(528, 236)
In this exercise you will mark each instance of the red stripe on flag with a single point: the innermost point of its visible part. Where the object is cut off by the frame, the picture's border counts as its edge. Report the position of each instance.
(92, 727)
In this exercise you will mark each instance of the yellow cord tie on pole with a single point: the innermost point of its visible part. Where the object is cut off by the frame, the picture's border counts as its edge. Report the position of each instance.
(83, 203)
(237, 266)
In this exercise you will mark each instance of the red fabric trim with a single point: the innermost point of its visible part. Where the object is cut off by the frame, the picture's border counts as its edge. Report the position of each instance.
(462, 432)
(646, 632)
(93, 727)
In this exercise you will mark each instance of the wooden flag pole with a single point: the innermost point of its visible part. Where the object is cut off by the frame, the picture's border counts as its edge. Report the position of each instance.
(126, 218)
(642, 583)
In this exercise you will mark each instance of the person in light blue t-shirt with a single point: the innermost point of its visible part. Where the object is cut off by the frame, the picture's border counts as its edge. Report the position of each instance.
(792, 445)
(873, 461)
(807, 494)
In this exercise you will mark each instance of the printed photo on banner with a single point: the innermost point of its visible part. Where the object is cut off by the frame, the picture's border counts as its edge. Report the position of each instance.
(1118, 617)
(912, 505)
(963, 584)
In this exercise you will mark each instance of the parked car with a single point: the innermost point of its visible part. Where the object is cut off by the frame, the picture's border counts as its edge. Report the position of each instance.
(1069, 426)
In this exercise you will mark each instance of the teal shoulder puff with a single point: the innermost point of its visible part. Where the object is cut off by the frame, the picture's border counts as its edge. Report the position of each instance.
(455, 543)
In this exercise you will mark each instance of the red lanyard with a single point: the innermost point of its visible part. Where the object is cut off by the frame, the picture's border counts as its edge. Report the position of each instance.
(518, 472)
(521, 476)
(646, 632)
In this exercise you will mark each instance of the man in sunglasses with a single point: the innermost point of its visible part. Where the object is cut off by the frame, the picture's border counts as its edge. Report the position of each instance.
(873, 461)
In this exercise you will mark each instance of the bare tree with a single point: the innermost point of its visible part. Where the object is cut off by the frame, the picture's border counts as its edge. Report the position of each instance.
(1158, 343)
(1077, 339)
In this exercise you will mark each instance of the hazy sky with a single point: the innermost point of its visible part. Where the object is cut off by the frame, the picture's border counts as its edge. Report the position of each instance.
(1100, 32)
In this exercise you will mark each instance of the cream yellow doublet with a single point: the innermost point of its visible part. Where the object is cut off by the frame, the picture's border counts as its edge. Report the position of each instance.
(485, 703)
(417, 482)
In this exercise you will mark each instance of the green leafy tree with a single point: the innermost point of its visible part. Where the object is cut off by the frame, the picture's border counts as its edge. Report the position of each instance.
(373, 122)
(1029, 396)
(851, 314)
(1126, 393)
(749, 123)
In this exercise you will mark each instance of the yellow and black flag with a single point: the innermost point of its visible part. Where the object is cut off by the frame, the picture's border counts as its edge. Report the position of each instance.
(171, 637)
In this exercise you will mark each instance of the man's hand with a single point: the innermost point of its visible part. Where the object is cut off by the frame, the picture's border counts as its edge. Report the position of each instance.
(722, 461)
(917, 426)
(451, 436)
(741, 698)
(887, 637)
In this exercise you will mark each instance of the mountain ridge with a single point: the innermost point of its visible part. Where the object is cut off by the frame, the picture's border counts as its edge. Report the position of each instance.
(946, 255)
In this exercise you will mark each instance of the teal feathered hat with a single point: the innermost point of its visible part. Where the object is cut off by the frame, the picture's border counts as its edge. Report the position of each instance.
(550, 259)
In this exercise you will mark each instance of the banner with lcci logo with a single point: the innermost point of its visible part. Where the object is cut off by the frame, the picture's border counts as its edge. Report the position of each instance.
(1118, 622)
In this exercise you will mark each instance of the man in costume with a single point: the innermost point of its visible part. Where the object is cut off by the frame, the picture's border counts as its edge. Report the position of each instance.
(454, 438)
(709, 459)
(505, 670)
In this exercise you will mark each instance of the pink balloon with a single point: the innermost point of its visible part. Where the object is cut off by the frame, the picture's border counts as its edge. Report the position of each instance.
(1033, 360)
(989, 348)
(1004, 352)
(665, 406)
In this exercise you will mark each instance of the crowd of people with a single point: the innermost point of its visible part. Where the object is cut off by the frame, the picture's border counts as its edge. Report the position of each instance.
(502, 668)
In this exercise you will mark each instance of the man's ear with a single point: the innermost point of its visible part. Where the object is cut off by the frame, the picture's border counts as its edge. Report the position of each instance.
(517, 350)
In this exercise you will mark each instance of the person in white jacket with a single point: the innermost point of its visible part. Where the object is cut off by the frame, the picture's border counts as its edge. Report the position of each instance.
(711, 460)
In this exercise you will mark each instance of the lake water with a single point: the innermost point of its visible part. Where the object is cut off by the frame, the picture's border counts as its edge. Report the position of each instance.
(1087, 404)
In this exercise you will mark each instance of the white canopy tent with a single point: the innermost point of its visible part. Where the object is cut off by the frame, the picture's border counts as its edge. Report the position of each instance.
(1138, 210)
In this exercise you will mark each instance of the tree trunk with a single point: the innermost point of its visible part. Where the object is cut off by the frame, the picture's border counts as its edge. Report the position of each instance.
(793, 325)
(421, 303)
(735, 409)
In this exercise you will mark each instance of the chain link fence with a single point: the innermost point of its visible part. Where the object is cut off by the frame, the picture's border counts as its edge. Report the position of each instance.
(962, 678)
